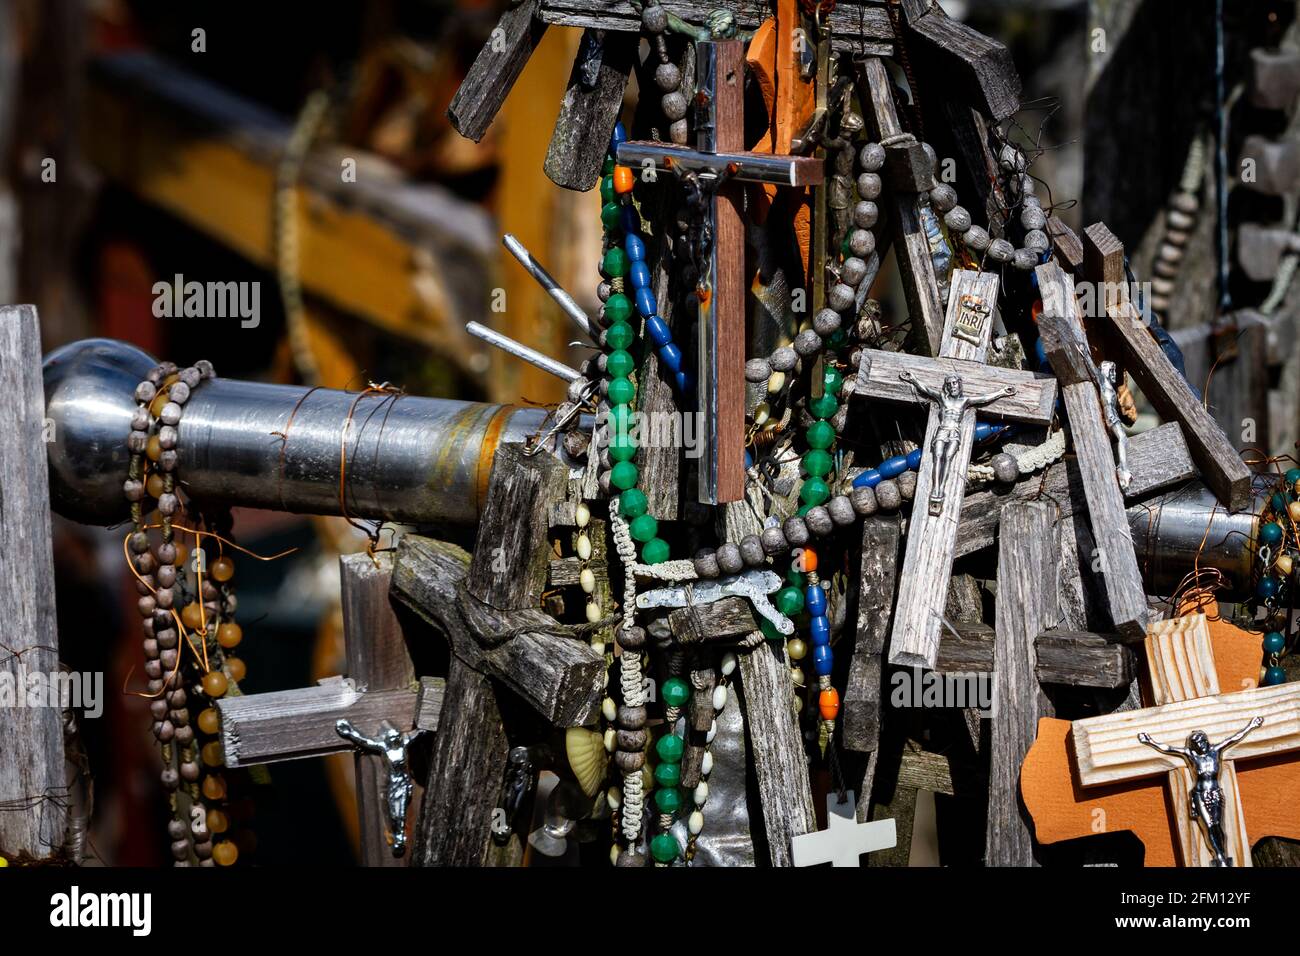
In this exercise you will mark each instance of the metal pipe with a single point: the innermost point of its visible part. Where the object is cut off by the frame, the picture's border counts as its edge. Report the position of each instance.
(533, 357)
(409, 459)
(1169, 531)
(554, 290)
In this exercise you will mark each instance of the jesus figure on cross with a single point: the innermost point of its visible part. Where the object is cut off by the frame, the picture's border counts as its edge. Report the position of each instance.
(952, 405)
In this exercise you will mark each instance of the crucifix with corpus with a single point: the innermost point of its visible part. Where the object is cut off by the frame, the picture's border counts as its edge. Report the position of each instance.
(954, 385)
(713, 172)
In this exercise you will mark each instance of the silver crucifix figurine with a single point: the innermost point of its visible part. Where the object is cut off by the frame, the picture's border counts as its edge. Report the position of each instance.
(1108, 384)
(947, 439)
(1206, 761)
(391, 744)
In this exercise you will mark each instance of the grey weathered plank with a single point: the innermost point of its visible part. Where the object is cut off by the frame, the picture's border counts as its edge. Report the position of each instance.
(495, 69)
(377, 660)
(1074, 658)
(1066, 245)
(560, 677)
(293, 724)
(33, 812)
(566, 572)
(728, 619)
(588, 114)
(876, 91)
(1026, 593)
(860, 715)
(1165, 389)
(977, 69)
(1158, 459)
(1033, 403)
(857, 27)
(1067, 350)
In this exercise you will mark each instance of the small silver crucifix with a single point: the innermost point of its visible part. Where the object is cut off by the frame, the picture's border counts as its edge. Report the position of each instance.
(391, 745)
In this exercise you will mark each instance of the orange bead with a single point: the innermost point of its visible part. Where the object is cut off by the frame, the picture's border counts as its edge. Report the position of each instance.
(236, 668)
(153, 448)
(214, 788)
(212, 754)
(1036, 310)
(171, 380)
(156, 406)
(209, 720)
(192, 616)
(828, 702)
(808, 561)
(215, 684)
(154, 485)
(223, 569)
(623, 179)
(182, 552)
(229, 635)
(217, 822)
(224, 853)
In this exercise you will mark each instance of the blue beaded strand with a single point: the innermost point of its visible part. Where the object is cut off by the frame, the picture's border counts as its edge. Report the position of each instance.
(893, 467)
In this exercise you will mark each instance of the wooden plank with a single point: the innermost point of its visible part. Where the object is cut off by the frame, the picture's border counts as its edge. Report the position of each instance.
(978, 69)
(588, 113)
(1026, 593)
(1033, 403)
(724, 620)
(377, 660)
(1072, 658)
(930, 538)
(1158, 459)
(857, 27)
(876, 91)
(860, 714)
(1066, 245)
(33, 810)
(295, 724)
(495, 69)
(1165, 389)
(1067, 350)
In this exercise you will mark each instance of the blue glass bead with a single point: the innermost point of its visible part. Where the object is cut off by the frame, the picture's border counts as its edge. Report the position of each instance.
(1272, 676)
(645, 299)
(815, 599)
(1270, 534)
(892, 467)
(749, 461)
(639, 275)
(1040, 350)
(819, 629)
(1267, 588)
(1274, 642)
(659, 332)
(822, 660)
(983, 431)
(635, 247)
(868, 479)
(914, 459)
(684, 381)
(618, 136)
(671, 356)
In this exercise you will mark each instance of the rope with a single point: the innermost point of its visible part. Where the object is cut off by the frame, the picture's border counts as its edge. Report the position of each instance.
(1030, 461)
(629, 670)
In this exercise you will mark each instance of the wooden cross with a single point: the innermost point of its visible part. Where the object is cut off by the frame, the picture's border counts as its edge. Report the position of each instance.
(719, 164)
(1185, 689)
(932, 530)
(381, 686)
(844, 840)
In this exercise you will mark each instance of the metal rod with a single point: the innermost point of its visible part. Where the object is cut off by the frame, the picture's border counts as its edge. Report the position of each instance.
(533, 357)
(553, 288)
(409, 459)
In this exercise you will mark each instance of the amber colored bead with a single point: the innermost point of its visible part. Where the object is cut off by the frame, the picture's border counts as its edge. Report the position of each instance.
(192, 616)
(209, 720)
(154, 485)
(808, 561)
(215, 684)
(828, 702)
(156, 406)
(182, 552)
(236, 668)
(223, 569)
(214, 788)
(225, 853)
(212, 754)
(153, 448)
(229, 635)
(217, 821)
(623, 179)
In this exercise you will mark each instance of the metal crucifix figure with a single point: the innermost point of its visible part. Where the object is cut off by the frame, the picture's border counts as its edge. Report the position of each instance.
(1206, 797)
(391, 745)
(952, 404)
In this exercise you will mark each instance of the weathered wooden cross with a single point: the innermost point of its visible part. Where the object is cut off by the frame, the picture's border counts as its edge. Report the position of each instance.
(1187, 696)
(718, 165)
(958, 374)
